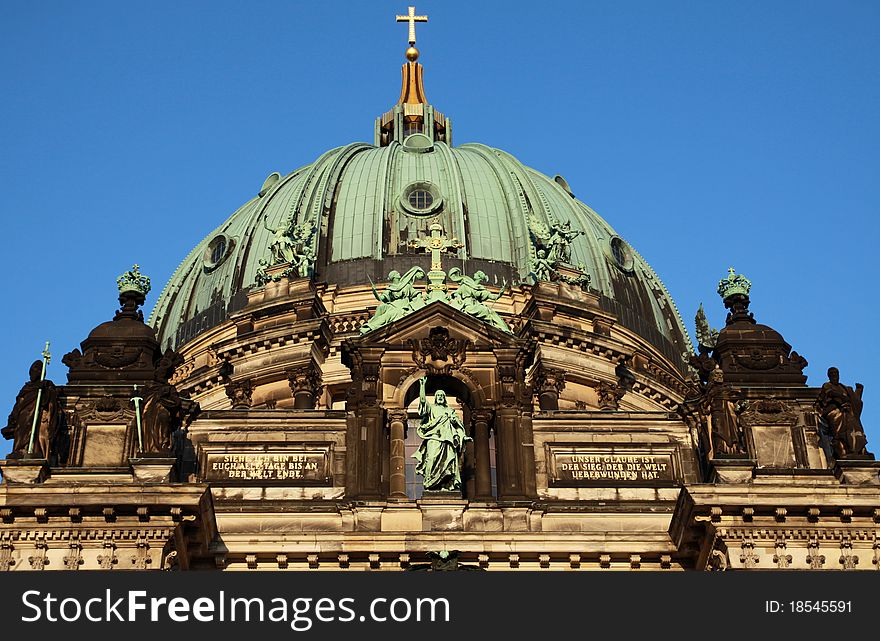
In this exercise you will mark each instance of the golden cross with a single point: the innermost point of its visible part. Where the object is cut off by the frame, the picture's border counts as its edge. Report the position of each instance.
(412, 19)
(437, 244)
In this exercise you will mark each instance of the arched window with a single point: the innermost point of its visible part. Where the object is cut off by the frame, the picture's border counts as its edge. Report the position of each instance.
(218, 250)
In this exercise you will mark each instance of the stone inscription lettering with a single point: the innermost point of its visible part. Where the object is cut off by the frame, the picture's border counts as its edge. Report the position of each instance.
(573, 468)
(303, 466)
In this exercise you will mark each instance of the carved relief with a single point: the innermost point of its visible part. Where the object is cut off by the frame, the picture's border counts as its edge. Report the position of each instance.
(781, 559)
(439, 353)
(767, 412)
(73, 559)
(815, 560)
(847, 560)
(749, 558)
(39, 559)
(6, 560)
(108, 559)
(117, 356)
(609, 395)
(240, 393)
(140, 560)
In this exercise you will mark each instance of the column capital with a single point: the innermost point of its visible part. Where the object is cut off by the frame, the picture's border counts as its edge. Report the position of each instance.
(481, 415)
(397, 414)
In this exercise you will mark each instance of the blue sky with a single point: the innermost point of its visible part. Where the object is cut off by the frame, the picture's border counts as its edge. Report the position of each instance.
(708, 134)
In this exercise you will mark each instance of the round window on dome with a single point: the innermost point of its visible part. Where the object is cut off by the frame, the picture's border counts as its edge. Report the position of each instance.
(421, 199)
(621, 254)
(216, 251)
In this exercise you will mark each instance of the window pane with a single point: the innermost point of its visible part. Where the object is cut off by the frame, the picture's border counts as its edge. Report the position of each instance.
(421, 199)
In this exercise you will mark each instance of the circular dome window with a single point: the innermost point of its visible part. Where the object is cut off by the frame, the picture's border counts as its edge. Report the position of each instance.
(621, 254)
(421, 199)
(216, 251)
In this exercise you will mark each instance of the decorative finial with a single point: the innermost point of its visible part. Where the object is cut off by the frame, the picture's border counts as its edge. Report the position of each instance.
(438, 244)
(412, 54)
(133, 281)
(734, 284)
(706, 335)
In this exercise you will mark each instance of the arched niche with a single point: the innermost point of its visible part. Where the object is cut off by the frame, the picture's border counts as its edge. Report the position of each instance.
(477, 363)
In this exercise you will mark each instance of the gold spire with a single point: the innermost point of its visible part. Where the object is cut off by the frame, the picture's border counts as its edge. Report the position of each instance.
(412, 114)
(412, 54)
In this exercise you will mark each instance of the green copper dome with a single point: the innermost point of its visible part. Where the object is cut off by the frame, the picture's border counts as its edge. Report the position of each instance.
(371, 201)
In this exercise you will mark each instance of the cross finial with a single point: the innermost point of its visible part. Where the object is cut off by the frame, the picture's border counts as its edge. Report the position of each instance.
(437, 244)
(412, 19)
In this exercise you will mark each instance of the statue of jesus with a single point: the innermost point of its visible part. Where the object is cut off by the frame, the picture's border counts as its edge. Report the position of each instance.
(438, 458)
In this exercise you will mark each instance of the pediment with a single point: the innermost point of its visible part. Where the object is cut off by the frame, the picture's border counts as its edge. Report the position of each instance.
(418, 324)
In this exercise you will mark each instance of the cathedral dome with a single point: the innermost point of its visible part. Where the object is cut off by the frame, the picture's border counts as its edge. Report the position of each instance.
(368, 202)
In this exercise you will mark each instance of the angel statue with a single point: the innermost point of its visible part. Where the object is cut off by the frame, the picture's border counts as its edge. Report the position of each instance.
(471, 298)
(283, 244)
(303, 261)
(302, 233)
(399, 299)
(560, 241)
(438, 458)
(542, 268)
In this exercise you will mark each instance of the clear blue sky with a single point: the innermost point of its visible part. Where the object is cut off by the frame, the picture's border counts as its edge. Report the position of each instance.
(708, 134)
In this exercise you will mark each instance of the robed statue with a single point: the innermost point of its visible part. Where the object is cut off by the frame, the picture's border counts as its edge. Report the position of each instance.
(472, 295)
(841, 407)
(720, 406)
(283, 245)
(561, 237)
(163, 408)
(21, 419)
(439, 456)
(399, 299)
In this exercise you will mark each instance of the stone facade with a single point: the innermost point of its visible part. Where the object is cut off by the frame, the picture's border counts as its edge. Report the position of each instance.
(259, 422)
(311, 472)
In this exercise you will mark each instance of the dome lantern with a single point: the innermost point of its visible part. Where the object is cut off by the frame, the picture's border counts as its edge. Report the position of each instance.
(412, 114)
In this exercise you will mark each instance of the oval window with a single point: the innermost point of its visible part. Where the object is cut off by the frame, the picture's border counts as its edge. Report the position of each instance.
(622, 254)
(421, 199)
(216, 251)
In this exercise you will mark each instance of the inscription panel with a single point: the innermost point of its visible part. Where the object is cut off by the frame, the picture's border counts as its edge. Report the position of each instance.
(291, 467)
(571, 467)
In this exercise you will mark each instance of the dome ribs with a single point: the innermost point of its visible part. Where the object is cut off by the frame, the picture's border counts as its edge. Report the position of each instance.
(487, 197)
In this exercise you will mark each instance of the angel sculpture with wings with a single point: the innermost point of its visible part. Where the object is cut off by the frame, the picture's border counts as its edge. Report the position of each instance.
(291, 243)
(471, 297)
(399, 299)
(561, 236)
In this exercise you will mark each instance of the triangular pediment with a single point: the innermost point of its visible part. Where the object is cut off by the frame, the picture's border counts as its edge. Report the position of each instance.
(438, 314)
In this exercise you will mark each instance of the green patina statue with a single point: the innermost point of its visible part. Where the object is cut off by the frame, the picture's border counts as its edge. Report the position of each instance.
(438, 458)
(471, 298)
(542, 268)
(291, 245)
(399, 299)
